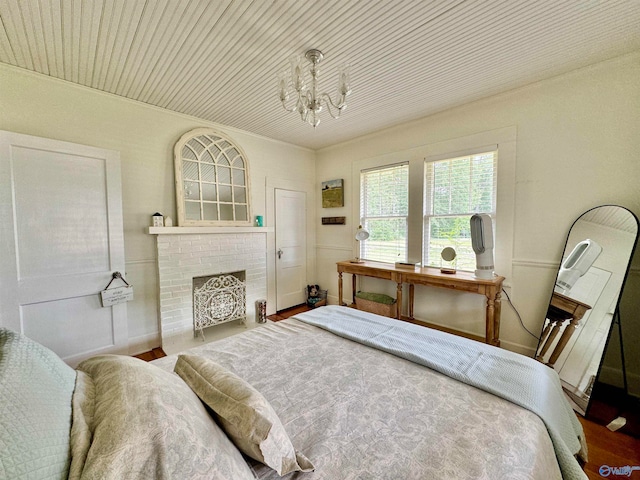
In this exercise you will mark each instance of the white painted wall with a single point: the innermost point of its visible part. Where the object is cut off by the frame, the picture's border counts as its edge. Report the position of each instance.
(577, 146)
(37, 105)
(578, 138)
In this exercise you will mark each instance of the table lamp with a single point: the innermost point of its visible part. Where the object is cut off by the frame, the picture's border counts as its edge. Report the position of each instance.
(361, 235)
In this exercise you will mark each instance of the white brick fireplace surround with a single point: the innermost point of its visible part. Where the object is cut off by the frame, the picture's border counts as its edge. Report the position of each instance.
(188, 252)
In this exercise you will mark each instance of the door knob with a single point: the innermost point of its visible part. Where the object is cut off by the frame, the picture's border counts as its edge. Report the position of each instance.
(279, 252)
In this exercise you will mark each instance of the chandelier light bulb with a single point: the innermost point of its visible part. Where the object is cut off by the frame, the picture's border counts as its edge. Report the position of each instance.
(297, 74)
(282, 86)
(344, 80)
(303, 83)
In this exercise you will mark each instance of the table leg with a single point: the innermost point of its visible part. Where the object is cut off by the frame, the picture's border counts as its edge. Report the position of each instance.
(353, 289)
(399, 300)
(494, 306)
(555, 328)
(411, 297)
(340, 302)
(543, 339)
(545, 331)
(566, 335)
(496, 319)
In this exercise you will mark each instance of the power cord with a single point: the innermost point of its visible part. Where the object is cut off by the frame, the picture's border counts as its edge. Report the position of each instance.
(518, 315)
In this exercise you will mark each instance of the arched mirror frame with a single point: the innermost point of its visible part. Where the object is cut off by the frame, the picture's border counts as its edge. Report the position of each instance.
(214, 189)
(615, 321)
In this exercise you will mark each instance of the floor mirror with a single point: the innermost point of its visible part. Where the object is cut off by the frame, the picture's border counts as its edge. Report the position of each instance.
(584, 306)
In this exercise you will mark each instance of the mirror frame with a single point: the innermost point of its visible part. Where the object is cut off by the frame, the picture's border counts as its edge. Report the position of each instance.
(217, 147)
(616, 312)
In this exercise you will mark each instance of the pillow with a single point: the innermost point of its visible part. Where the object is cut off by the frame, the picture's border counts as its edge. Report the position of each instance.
(143, 422)
(244, 414)
(36, 387)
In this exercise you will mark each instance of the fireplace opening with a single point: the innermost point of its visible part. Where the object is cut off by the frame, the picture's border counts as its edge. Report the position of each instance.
(217, 299)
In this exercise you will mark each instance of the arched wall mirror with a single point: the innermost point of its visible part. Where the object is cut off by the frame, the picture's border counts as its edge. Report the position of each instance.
(212, 180)
(584, 304)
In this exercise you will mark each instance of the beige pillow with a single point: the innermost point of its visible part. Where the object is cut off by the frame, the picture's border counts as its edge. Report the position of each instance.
(143, 422)
(242, 411)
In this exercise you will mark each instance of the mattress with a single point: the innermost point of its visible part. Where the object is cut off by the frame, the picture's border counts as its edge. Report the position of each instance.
(360, 413)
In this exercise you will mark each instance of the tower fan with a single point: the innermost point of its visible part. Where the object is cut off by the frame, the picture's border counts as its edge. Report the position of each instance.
(579, 261)
(482, 243)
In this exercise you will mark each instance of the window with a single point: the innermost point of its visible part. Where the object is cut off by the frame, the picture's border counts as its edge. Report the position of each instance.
(455, 189)
(212, 180)
(384, 210)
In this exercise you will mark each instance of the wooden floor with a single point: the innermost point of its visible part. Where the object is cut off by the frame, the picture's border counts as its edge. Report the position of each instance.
(289, 312)
(615, 449)
(152, 355)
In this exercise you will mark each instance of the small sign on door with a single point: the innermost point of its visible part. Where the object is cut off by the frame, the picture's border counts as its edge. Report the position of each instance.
(113, 296)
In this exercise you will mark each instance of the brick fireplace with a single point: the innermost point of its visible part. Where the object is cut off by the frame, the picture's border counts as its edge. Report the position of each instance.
(185, 253)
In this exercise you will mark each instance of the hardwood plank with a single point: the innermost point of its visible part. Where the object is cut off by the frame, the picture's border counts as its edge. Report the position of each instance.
(289, 312)
(151, 355)
(614, 449)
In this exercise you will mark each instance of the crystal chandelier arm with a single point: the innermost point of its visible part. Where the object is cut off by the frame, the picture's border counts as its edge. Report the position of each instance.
(294, 108)
(331, 106)
(300, 104)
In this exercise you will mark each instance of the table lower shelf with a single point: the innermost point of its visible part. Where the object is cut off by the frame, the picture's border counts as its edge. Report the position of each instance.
(442, 328)
(453, 331)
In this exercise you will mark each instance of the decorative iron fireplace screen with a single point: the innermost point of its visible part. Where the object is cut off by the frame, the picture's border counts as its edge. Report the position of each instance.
(218, 299)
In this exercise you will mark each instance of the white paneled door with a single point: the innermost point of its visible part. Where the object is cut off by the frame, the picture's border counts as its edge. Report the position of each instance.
(61, 239)
(291, 248)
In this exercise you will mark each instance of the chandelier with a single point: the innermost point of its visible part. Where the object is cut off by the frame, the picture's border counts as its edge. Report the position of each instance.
(309, 102)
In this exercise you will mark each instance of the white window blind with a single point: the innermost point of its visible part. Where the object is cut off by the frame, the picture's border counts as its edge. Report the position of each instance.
(384, 210)
(455, 189)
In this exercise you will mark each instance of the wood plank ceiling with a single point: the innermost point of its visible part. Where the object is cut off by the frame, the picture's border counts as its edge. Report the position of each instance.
(219, 60)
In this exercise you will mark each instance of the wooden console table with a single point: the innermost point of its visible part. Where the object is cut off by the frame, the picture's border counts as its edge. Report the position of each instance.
(462, 281)
(561, 309)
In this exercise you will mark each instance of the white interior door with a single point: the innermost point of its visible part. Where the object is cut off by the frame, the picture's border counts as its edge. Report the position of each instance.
(61, 239)
(291, 248)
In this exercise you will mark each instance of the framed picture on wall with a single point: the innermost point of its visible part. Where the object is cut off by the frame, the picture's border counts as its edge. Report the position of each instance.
(333, 193)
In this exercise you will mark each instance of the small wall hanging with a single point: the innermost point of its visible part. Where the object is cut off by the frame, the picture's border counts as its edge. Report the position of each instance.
(115, 295)
(334, 220)
(333, 193)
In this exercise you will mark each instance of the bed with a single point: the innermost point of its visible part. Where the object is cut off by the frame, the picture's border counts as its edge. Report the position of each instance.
(349, 394)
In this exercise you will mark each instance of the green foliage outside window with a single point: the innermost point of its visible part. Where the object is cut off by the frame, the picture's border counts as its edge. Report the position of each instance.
(385, 207)
(456, 189)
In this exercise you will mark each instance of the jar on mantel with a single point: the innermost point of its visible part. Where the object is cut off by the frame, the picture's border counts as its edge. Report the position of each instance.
(157, 220)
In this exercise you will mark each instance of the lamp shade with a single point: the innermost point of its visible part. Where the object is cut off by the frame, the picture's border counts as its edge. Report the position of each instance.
(361, 234)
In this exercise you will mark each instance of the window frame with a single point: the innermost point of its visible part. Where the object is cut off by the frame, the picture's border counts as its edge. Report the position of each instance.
(429, 193)
(364, 219)
(502, 139)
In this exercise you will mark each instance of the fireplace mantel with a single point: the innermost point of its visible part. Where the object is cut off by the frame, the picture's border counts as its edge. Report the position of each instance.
(206, 230)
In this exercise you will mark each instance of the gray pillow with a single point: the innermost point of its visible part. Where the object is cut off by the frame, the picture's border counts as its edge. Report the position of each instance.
(243, 413)
(36, 387)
